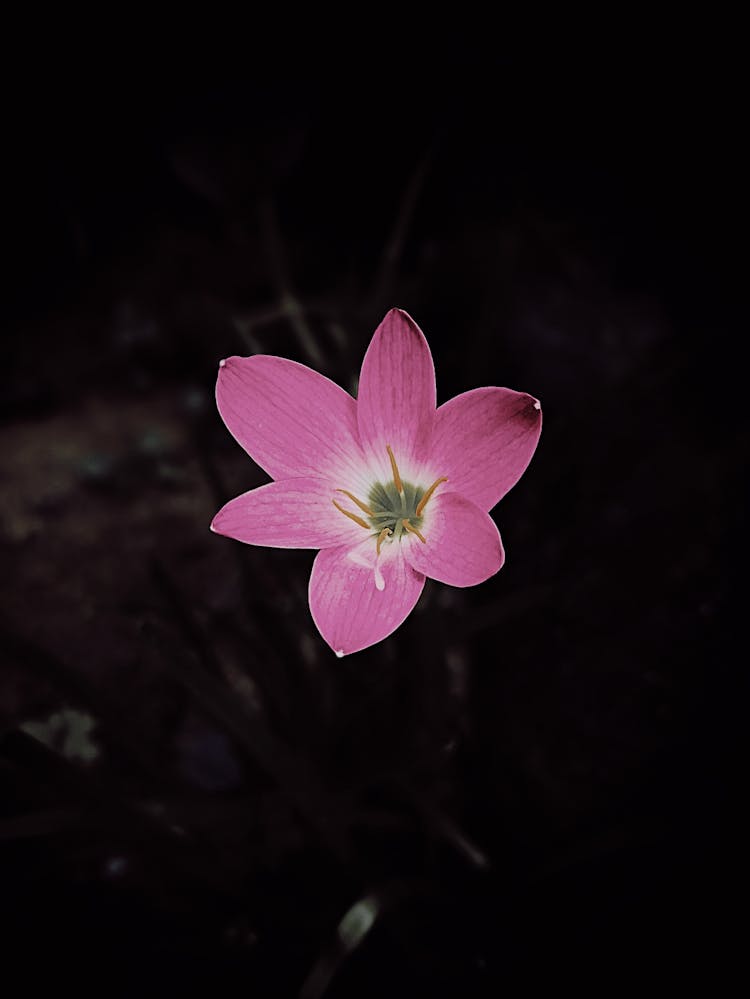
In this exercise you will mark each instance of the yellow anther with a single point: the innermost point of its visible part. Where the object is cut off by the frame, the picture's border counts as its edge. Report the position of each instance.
(352, 516)
(386, 532)
(396, 477)
(412, 530)
(363, 506)
(423, 502)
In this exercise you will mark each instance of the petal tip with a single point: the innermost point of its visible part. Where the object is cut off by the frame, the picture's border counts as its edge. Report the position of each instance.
(231, 362)
(532, 412)
(396, 311)
(339, 653)
(406, 317)
(400, 316)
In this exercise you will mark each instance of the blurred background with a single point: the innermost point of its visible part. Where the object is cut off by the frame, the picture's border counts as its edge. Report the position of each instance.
(534, 780)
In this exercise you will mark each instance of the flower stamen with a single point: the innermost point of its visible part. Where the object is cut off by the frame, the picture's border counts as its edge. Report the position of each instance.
(423, 502)
(352, 516)
(385, 533)
(413, 530)
(394, 467)
(363, 506)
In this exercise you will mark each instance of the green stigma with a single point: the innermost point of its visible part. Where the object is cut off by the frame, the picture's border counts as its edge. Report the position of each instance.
(390, 508)
(394, 509)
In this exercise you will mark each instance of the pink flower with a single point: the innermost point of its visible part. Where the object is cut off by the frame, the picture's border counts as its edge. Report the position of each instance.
(389, 487)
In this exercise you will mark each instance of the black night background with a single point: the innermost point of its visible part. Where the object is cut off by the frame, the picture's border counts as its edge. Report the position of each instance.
(537, 780)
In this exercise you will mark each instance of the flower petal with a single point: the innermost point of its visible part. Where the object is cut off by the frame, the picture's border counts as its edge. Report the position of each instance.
(350, 612)
(291, 420)
(462, 546)
(396, 398)
(483, 441)
(293, 513)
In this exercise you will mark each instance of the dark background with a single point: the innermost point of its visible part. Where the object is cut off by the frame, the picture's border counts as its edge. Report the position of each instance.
(536, 780)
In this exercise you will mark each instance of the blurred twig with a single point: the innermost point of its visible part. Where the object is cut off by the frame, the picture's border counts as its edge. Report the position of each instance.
(384, 280)
(353, 930)
(246, 728)
(99, 803)
(288, 303)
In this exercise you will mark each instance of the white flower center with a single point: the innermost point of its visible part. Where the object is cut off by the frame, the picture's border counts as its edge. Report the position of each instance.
(393, 509)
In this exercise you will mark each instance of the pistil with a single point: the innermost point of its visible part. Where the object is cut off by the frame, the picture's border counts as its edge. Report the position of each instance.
(394, 509)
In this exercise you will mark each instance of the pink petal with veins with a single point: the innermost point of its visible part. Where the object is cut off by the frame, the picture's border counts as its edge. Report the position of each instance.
(463, 545)
(291, 420)
(396, 398)
(483, 441)
(312, 437)
(292, 513)
(349, 610)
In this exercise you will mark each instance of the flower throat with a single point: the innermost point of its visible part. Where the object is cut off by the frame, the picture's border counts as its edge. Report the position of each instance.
(394, 509)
